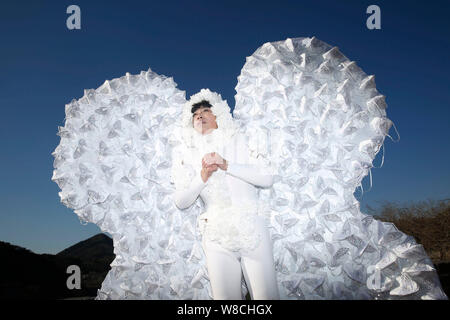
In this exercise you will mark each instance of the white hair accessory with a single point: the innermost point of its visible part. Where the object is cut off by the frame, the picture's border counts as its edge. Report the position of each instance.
(220, 109)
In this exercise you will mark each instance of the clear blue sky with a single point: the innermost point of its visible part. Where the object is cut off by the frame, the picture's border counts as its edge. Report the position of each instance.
(204, 44)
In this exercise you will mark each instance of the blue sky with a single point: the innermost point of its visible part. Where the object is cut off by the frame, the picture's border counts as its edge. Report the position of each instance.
(203, 44)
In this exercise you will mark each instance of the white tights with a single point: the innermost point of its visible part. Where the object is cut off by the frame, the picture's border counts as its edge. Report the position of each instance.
(225, 273)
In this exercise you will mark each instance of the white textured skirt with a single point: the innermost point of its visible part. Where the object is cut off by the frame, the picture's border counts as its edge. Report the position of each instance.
(234, 227)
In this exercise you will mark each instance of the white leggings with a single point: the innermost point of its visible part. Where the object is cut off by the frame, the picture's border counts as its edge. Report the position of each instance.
(225, 274)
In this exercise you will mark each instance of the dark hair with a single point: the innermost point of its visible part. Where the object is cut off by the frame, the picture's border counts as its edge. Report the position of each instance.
(201, 104)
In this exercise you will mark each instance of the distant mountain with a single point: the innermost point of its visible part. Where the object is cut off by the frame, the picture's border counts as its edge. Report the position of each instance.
(96, 252)
(27, 275)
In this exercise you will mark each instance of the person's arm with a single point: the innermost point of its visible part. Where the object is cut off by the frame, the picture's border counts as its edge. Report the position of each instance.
(185, 198)
(255, 174)
(250, 173)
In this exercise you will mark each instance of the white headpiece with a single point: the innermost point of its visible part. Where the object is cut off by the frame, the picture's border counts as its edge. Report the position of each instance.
(220, 109)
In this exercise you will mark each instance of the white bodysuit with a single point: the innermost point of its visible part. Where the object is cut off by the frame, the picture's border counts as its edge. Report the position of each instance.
(234, 236)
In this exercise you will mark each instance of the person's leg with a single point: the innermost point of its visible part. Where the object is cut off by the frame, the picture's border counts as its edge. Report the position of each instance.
(259, 268)
(224, 271)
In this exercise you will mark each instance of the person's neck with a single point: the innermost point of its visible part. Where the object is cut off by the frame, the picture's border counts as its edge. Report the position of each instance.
(208, 131)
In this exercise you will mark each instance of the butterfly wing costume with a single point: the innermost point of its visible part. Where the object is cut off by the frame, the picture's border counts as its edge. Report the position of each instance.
(310, 114)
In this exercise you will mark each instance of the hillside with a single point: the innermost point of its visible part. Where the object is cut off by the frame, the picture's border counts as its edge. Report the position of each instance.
(95, 252)
(27, 275)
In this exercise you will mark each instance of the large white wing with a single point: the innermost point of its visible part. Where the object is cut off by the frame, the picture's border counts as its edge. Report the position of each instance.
(318, 119)
(113, 165)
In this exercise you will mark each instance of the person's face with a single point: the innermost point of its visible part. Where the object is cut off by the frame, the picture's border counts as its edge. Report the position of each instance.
(204, 120)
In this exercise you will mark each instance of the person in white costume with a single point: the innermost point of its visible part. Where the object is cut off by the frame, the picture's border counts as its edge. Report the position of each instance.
(305, 130)
(230, 249)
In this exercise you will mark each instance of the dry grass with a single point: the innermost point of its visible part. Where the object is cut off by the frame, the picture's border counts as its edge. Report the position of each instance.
(427, 221)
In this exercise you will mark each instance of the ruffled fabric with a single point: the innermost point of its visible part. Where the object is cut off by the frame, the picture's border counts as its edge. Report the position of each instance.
(318, 118)
(113, 165)
(231, 226)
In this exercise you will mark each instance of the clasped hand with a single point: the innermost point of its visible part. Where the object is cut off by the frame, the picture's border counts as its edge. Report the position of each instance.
(210, 163)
